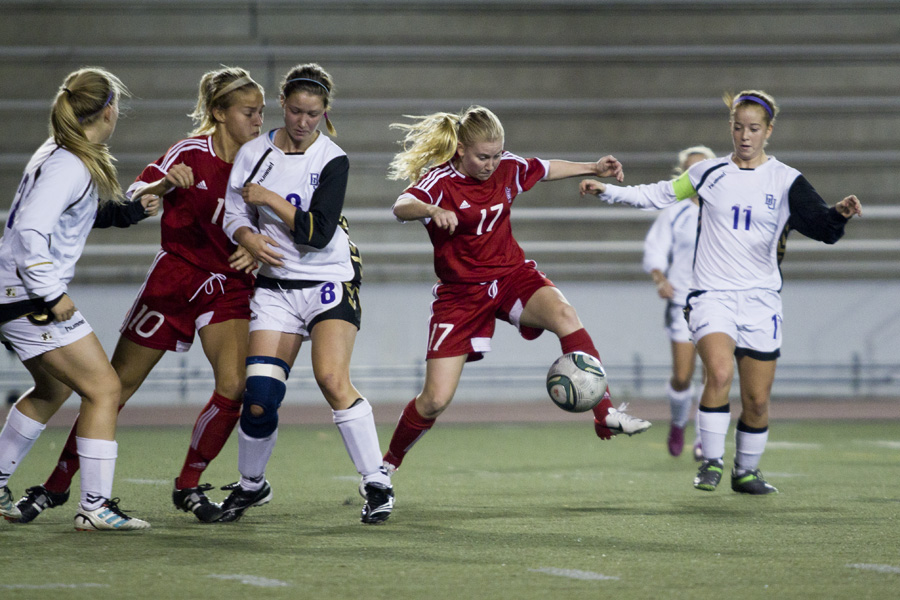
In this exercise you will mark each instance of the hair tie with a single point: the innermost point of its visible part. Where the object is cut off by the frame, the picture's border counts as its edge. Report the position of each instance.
(759, 101)
(67, 91)
(315, 81)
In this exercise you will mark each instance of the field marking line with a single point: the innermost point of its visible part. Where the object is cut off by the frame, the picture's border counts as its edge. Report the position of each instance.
(876, 568)
(51, 586)
(148, 481)
(252, 580)
(793, 446)
(891, 444)
(575, 574)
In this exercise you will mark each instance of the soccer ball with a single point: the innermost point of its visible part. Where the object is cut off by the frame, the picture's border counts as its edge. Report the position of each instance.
(576, 382)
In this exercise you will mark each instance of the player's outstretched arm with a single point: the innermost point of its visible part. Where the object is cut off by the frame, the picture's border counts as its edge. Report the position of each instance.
(608, 166)
(849, 207)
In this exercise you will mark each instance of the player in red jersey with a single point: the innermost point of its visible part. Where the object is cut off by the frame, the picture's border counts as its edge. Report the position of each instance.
(199, 282)
(464, 202)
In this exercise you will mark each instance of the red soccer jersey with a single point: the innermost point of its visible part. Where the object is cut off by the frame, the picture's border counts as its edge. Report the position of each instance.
(192, 218)
(483, 247)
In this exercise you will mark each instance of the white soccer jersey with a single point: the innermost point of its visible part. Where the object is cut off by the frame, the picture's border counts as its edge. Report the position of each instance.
(295, 177)
(743, 215)
(48, 224)
(669, 246)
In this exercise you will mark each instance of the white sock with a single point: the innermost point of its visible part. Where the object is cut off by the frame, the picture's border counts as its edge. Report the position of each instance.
(357, 427)
(713, 428)
(680, 404)
(253, 456)
(697, 419)
(749, 449)
(98, 467)
(16, 439)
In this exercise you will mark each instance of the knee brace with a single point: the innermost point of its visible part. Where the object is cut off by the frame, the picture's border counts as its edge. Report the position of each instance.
(265, 388)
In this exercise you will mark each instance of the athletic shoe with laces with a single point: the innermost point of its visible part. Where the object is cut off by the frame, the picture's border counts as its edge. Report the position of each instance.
(709, 475)
(107, 517)
(387, 468)
(379, 503)
(194, 500)
(675, 440)
(7, 507)
(239, 500)
(616, 421)
(751, 482)
(36, 500)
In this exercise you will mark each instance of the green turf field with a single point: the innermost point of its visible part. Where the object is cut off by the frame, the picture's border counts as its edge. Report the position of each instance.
(487, 511)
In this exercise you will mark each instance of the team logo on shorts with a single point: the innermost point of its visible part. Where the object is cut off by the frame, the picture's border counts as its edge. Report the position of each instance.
(46, 336)
(10, 292)
(314, 179)
(770, 201)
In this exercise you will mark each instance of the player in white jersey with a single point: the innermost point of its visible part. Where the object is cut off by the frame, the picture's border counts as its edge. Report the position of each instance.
(668, 258)
(749, 202)
(284, 203)
(54, 210)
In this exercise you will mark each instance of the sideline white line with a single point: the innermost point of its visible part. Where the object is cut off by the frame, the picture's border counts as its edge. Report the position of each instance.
(574, 574)
(252, 580)
(878, 568)
(892, 444)
(51, 586)
(148, 481)
(793, 446)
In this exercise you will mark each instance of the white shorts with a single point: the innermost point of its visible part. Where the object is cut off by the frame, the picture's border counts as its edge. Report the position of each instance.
(676, 324)
(30, 340)
(297, 310)
(752, 318)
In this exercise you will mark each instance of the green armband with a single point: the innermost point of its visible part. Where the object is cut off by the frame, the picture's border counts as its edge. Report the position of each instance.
(683, 188)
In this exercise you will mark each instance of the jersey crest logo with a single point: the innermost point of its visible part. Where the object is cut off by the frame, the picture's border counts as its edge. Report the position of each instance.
(10, 292)
(314, 179)
(202, 185)
(508, 194)
(464, 205)
(770, 201)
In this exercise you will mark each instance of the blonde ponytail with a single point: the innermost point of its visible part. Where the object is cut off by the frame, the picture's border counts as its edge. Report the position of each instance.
(80, 101)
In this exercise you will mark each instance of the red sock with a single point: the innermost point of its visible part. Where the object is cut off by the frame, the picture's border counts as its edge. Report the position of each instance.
(581, 341)
(410, 428)
(61, 477)
(214, 424)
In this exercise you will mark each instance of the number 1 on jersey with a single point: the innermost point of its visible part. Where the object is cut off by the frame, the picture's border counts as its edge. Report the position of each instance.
(737, 217)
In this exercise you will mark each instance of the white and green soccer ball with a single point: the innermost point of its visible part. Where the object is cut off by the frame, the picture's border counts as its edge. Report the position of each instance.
(576, 382)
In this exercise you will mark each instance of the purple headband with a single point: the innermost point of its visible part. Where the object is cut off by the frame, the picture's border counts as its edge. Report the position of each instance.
(327, 91)
(759, 101)
(105, 104)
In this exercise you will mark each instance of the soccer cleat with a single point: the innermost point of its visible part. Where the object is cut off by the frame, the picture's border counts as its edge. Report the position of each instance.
(108, 517)
(239, 500)
(709, 475)
(616, 421)
(194, 500)
(676, 440)
(751, 482)
(698, 451)
(36, 500)
(7, 507)
(379, 503)
(388, 470)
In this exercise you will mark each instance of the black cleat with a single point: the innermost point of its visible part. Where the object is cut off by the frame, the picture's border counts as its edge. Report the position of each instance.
(36, 500)
(709, 475)
(194, 500)
(239, 500)
(379, 503)
(751, 482)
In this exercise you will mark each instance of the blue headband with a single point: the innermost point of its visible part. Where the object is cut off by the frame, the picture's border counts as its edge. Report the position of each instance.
(759, 101)
(327, 91)
(105, 104)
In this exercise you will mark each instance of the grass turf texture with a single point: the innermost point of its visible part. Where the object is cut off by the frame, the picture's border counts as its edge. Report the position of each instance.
(486, 511)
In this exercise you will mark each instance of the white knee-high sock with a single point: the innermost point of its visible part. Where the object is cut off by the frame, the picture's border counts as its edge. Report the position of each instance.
(750, 443)
(98, 468)
(680, 404)
(16, 439)
(357, 427)
(253, 456)
(713, 428)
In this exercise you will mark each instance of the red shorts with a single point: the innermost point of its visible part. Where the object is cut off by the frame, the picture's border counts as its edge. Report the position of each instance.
(463, 314)
(178, 299)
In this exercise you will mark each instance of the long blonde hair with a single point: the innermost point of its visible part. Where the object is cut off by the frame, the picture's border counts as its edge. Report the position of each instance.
(314, 80)
(432, 139)
(752, 98)
(217, 92)
(80, 101)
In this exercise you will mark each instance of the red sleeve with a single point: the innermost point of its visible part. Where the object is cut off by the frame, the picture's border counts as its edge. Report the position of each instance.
(531, 171)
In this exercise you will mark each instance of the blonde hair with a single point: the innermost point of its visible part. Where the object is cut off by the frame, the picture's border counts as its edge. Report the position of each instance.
(217, 92)
(683, 156)
(756, 98)
(433, 139)
(311, 79)
(80, 101)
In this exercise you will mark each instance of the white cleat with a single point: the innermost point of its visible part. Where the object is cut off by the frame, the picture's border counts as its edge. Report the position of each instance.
(617, 421)
(108, 517)
(8, 508)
